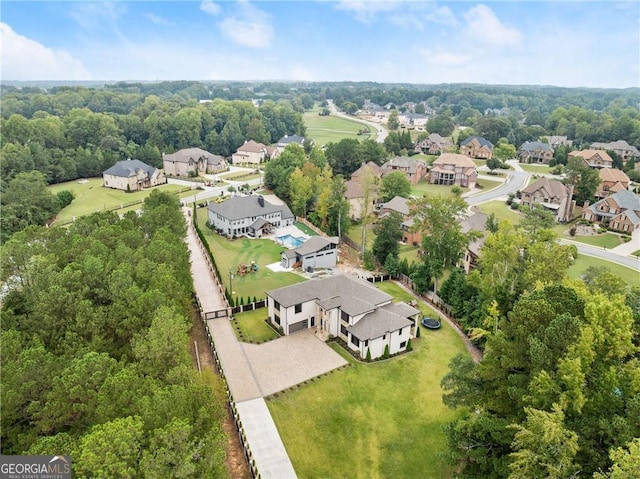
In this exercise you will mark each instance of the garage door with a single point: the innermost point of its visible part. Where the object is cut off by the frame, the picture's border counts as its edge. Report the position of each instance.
(297, 326)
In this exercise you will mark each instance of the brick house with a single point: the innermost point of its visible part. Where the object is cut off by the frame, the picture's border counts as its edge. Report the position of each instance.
(454, 169)
(414, 170)
(619, 211)
(476, 147)
(434, 144)
(612, 181)
(535, 152)
(593, 158)
(551, 194)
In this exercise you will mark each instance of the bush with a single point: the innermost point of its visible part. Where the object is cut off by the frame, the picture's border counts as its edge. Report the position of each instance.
(65, 197)
(515, 206)
(386, 352)
(409, 346)
(368, 355)
(572, 231)
(418, 331)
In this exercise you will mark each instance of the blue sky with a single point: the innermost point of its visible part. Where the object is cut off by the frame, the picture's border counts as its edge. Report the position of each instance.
(568, 43)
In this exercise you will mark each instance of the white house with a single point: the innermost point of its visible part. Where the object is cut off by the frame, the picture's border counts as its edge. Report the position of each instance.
(316, 252)
(346, 307)
(248, 216)
(132, 175)
(250, 152)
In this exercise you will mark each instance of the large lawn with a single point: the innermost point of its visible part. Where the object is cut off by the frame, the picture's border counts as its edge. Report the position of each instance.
(376, 420)
(425, 188)
(92, 196)
(583, 262)
(535, 168)
(229, 254)
(488, 184)
(501, 210)
(604, 240)
(332, 129)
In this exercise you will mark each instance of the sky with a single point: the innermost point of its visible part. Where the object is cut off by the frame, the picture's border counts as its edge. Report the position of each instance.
(565, 43)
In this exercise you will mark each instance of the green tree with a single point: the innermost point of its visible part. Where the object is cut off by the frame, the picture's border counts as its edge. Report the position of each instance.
(441, 124)
(585, 180)
(503, 151)
(626, 462)
(394, 184)
(301, 191)
(393, 123)
(389, 235)
(278, 171)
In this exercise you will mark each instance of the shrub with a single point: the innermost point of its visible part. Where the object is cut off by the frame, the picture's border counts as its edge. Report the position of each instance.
(386, 352)
(515, 206)
(409, 346)
(572, 231)
(418, 332)
(368, 355)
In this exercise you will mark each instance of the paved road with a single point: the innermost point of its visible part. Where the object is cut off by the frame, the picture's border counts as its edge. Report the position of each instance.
(382, 132)
(515, 181)
(628, 261)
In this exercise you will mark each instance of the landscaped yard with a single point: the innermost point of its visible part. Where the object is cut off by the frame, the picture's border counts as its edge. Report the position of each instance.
(501, 210)
(332, 129)
(604, 240)
(251, 327)
(583, 262)
(383, 419)
(92, 196)
(228, 254)
(535, 168)
(425, 188)
(488, 184)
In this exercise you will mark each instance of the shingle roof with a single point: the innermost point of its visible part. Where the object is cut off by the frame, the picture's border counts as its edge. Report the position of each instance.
(474, 222)
(240, 207)
(377, 323)
(536, 145)
(186, 154)
(397, 203)
(482, 141)
(553, 187)
(617, 145)
(613, 174)
(252, 147)
(371, 166)
(626, 200)
(454, 159)
(403, 162)
(286, 140)
(588, 154)
(127, 168)
(315, 243)
(353, 189)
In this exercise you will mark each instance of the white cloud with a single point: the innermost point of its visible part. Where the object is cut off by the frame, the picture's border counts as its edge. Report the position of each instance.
(153, 18)
(418, 15)
(366, 11)
(483, 25)
(249, 26)
(26, 59)
(209, 7)
(97, 15)
(445, 59)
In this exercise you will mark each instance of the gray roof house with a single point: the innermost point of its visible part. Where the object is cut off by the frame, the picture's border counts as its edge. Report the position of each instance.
(315, 252)
(619, 211)
(624, 150)
(535, 152)
(190, 160)
(346, 307)
(132, 175)
(413, 169)
(250, 216)
(287, 140)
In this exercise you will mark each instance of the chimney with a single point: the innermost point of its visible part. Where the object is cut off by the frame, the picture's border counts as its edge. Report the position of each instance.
(261, 201)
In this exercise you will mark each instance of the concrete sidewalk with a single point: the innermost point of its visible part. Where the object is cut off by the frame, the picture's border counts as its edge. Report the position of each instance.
(630, 246)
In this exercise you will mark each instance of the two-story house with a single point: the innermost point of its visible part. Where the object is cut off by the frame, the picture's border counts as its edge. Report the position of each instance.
(250, 216)
(612, 180)
(476, 147)
(132, 175)
(251, 152)
(433, 144)
(551, 194)
(619, 212)
(287, 140)
(624, 150)
(454, 169)
(345, 307)
(593, 158)
(192, 160)
(414, 170)
(355, 192)
(557, 140)
(400, 205)
(535, 152)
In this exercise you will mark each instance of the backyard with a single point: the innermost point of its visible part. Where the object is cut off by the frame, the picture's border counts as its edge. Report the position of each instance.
(363, 421)
(228, 254)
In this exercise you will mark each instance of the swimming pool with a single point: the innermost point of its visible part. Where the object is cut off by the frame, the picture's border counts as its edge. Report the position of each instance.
(291, 241)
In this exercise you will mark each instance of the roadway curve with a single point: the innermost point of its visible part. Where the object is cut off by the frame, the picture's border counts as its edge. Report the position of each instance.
(382, 133)
(602, 253)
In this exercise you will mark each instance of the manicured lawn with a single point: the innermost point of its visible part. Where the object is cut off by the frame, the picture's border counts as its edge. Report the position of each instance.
(410, 252)
(250, 326)
(425, 188)
(92, 197)
(535, 168)
(501, 210)
(583, 262)
(383, 419)
(332, 129)
(228, 254)
(604, 240)
(636, 253)
(305, 229)
(488, 184)
(428, 158)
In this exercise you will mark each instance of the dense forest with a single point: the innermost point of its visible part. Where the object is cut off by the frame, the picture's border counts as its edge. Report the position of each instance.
(95, 348)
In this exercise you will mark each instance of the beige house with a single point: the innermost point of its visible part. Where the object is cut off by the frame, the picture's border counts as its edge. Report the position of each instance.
(250, 152)
(612, 181)
(620, 212)
(434, 144)
(454, 169)
(414, 170)
(551, 194)
(192, 161)
(476, 147)
(557, 140)
(593, 158)
(535, 152)
(400, 205)
(624, 150)
(355, 192)
(132, 175)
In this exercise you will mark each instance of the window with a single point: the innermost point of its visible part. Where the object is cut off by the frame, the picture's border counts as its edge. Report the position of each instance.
(344, 316)
(312, 321)
(298, 308)
(343, 330)
(384, 336)
(403, 344)
(276, 305)
(355, 341)
(366, 343)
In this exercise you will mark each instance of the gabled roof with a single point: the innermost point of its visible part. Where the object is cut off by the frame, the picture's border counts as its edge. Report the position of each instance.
(626, 200)
(403, 162)
(474, 222)
(370, 166)
(617, 145)
(315, 243)
(377, 323)
(127, 168)
(353, 190)
(288, 139)
(454, 159)
(588, 154)
(397, 203)
(240, 207)
(536, 145)
(481, 140)
(194, 154)
(613, 175)
(554, 188)
(252, 147)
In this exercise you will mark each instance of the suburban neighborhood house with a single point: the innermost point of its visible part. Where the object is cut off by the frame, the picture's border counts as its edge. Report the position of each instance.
(454, 169)
(556, 140)
(412, 119)
(400, 205)
(414, 170)
(192, 160)
(316, 252)
(473, 222)
(348, 308)
(250, 216)
(593, 158)
(476, 147)
(612, 180)
(287, 140)
(624, 150)
(354, 191)
(132, 175)
(619, 212)
(250, 152)
(551, 194)
(535, 152)
(434, 144)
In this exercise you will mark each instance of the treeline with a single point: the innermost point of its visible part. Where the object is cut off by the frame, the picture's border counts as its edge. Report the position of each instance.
(95, 348)
(74, 133)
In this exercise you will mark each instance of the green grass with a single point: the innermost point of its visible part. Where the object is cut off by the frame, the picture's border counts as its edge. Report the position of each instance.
(355, 233)
(229, 253)
(501, 210)
(383, 419)
(605, 240)
(332, 129)
(92, 197)
(488, 184)
(250, 327)
(428, 158)
(305, 229)
(423, 188)
(535, 168)
(583, 262)
(636, 253)
(409, 252)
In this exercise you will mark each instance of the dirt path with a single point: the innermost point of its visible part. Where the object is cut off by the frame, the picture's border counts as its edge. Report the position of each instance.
(235, 460)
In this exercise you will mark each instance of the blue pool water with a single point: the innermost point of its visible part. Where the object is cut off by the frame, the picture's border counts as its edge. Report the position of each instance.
(290, 241)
